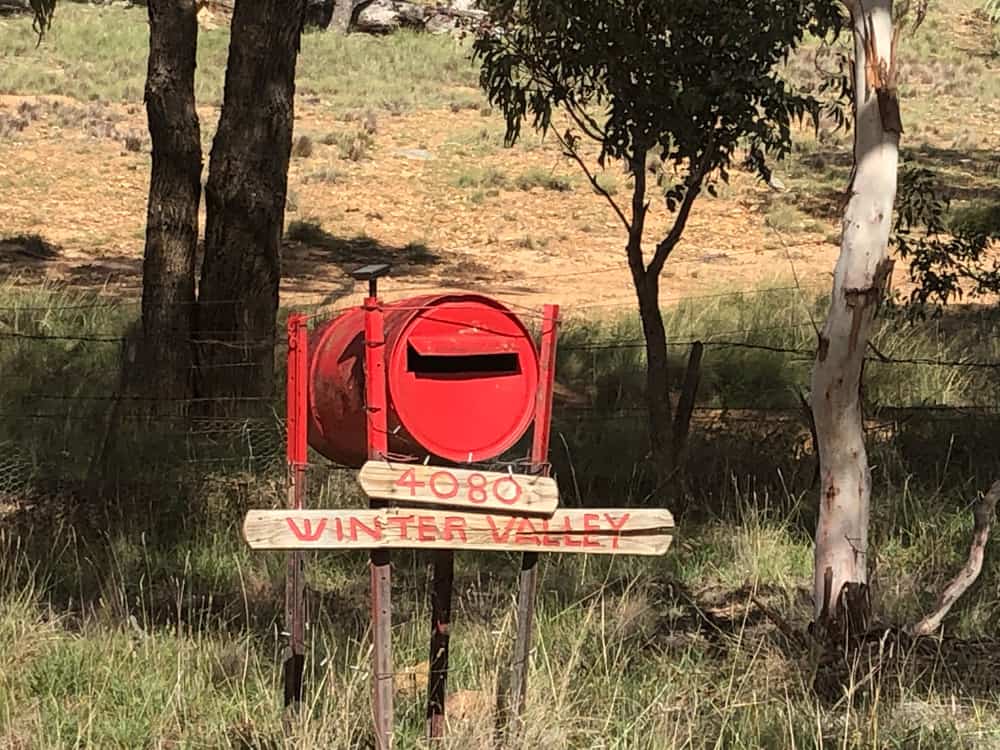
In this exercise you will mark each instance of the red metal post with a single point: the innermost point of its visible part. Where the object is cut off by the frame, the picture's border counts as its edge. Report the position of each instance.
(546, 386)
(528, 582)
(297, 454)
(381, 578)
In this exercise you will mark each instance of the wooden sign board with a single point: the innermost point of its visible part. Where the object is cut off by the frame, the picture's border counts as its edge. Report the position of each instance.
(593, 531)
(409, 484)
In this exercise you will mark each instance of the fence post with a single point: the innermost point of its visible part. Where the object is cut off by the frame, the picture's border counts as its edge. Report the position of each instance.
(528, 580)
(297, 454)
(437, 686)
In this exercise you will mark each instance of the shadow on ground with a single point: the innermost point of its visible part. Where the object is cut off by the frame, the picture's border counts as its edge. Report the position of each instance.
(313, 260)
(964, 174)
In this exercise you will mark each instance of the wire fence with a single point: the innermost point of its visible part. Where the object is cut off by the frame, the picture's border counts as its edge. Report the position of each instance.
(64, 411)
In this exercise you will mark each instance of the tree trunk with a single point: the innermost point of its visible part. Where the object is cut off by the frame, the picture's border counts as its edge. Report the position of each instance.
(840, 592)
(166, 355)
(245, 202)
(657, 374)
(343, 14)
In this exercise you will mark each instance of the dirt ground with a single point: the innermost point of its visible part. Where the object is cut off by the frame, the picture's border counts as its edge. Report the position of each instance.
(433, 192)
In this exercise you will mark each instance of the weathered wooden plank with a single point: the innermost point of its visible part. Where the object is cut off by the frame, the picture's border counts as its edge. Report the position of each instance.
(623, 531)
(413, 484)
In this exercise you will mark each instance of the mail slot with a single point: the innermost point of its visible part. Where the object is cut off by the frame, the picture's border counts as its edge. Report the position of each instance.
(461, 372)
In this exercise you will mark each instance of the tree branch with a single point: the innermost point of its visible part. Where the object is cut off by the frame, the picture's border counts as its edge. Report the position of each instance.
(639, 208)
(586, 123)
(983, 515)
(668, 243)
(569, 148)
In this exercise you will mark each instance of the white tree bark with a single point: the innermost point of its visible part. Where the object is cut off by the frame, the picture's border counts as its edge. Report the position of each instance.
(841, 555)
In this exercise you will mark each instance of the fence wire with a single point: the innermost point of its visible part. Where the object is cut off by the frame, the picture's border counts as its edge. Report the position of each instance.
(65, 413)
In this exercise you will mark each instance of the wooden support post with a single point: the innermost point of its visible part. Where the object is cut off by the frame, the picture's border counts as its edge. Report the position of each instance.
(685, 405)
(381, 576)
(437, 687)
(297, 449)
(528, 580)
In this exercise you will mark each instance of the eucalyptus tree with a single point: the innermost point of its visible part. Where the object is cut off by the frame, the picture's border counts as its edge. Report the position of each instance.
(694, 87)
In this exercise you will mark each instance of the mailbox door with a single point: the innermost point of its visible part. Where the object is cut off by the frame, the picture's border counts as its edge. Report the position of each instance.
(462, 378)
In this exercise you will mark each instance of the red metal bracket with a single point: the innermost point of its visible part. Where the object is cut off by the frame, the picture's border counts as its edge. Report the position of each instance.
(376, 407)
(297, 453)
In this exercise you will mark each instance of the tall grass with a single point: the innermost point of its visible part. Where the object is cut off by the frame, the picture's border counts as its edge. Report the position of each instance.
(134, 616)
(622, 659)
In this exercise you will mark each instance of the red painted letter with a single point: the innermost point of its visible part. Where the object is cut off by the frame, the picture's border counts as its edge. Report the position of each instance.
(454, 526)
(548, 541)
(401, 522)
(569, 536)
(426, 530)
(306, 533)
(497, 537)
(522, 537)
(617, 526)
(374, 531)
(591, 523)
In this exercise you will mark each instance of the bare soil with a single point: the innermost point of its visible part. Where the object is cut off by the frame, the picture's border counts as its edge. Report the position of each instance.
(74, 181)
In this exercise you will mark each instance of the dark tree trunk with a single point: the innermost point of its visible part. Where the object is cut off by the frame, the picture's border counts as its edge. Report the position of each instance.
(245, 202)
(646, 281)
(657, 374)
(166, 354)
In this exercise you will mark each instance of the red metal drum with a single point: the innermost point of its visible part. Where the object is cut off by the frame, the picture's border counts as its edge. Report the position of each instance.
(462, 373)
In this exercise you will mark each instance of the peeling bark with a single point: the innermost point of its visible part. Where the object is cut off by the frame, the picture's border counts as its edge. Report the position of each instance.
(841, 557)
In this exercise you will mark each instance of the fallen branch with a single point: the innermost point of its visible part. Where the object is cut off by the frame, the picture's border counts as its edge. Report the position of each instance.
(970, 572)
(790, 633)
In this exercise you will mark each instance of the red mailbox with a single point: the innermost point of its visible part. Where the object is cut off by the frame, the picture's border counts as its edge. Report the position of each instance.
(462, 374)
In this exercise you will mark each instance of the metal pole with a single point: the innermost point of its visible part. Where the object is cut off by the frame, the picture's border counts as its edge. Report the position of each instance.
(444, 572)
(528, 580)
(381, 577)
(297, 450)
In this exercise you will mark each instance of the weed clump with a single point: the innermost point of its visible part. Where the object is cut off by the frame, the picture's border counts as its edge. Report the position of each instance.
(302, 147)
(481, 179)
(540, 178)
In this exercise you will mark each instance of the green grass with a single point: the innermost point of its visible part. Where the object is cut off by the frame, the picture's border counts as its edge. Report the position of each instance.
(136, 617)
(622, 658)
(608, 182)
(484, 178)
(65, 62)
(544, 179)
(398, 72)
(351, 146)
(785, 217)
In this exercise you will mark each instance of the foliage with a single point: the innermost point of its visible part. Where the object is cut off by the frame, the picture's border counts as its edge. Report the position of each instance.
(676, 87)
(692, 81)
(992, 9)
(945, 262)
